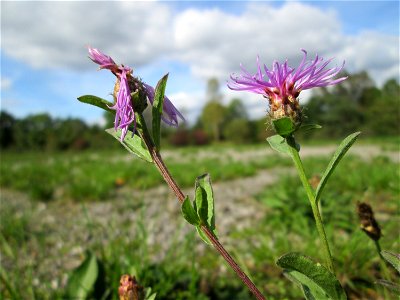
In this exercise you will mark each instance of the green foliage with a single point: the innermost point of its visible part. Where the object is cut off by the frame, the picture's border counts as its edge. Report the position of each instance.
(204, 205)
(96, 101)
(189, 213)
(158, 110)
(181, 270)
(392, 258)
(82, 280)
(237, 131)
(337, 156)
(212, 117)
(314, 279)
(98, 175)
(284, 126)
(134, 144)
(356, 104)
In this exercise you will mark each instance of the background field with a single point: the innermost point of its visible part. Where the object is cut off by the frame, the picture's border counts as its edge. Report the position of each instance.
(55, 207)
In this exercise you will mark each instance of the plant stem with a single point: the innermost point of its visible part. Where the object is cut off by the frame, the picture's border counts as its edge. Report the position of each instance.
(157, 159)
(314, 206)
(383, 266)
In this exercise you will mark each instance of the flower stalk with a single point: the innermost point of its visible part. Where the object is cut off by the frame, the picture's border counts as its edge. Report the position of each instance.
(314, 205)
(159, 163)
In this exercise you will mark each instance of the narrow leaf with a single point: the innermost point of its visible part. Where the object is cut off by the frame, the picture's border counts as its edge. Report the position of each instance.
(83, 278)
(278, 143)
(308, 127)
(316, 281)
(97, 101)
(392, 258)
(394, 287)
(158, 109)
(337, 156)
(133, 144)
(189, 213)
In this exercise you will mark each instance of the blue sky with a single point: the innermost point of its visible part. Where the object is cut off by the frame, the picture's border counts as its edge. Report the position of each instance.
(44, 64)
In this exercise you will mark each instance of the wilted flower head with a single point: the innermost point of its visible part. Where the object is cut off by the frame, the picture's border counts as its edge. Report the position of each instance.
(368, 223)
(126, 85)
(283, 84)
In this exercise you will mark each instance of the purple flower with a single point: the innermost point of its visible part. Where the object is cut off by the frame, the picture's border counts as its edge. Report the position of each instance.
(283, 84)
(123, 106)
(170, 113)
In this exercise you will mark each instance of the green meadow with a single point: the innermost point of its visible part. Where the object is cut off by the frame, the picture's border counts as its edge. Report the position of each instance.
(59, 208)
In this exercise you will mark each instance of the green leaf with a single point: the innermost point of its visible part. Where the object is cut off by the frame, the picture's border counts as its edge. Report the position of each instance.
(278, 143)
(189, 213)
(133, 144)
(83, 278)
(284, 126)
(337, 156)
(201, 204)
(205, 201)
(149, 295)
(97, 101)
(204, 206)
(394, 287)
(203, 235)
(281, 144)
(315, 280)
(158, 109)
(308, 127)
(392, 258)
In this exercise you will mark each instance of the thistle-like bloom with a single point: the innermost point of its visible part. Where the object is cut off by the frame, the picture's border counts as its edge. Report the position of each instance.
(125, 85)
(283, 84)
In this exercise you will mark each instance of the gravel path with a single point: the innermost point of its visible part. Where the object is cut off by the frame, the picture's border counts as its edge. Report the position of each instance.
(236, 208)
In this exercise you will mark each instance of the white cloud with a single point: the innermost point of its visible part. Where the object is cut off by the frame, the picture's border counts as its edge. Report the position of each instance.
(6, 83)
(212, 42)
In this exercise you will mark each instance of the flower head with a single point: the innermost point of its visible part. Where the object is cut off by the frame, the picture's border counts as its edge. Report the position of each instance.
(124, 105)
(282, 84)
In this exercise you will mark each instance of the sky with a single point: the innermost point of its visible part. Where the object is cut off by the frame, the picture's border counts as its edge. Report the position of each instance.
(45, 65)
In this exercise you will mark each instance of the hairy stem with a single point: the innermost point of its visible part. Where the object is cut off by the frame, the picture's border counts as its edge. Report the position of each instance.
(157, 159)
(314, 206)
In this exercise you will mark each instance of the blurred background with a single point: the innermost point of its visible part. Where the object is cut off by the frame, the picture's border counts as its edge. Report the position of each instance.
(70, 192)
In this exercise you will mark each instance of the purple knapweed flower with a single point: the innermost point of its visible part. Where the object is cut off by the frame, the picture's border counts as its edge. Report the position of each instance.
(126, 84)
(282, 85)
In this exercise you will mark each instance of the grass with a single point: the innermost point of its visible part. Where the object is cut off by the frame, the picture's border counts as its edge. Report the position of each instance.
(96, 176)
(179, 268)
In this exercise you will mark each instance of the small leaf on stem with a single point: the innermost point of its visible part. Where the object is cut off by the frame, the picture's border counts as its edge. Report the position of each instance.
(278, 143)
(158, 109)
(189, 213)
(204, 206)
(308, 127)
(97, 101)
(337, 156)
(315, 280)
(284, 126)
(134, 144)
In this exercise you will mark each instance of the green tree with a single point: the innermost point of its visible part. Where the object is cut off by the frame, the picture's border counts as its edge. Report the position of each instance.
(33, 132)
(7, 123)
(383, 115)
(212, 118)
(238, 131)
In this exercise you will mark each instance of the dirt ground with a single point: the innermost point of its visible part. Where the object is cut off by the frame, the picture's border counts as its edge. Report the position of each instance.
(236, 208)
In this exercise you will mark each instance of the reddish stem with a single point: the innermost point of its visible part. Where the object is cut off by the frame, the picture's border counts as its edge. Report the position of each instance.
(181, 197)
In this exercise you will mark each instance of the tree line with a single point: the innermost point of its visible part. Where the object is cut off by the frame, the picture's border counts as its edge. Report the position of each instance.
(355, 104)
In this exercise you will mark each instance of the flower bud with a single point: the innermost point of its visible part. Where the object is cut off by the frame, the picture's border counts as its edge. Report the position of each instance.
(129, 288)
(367, 221)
